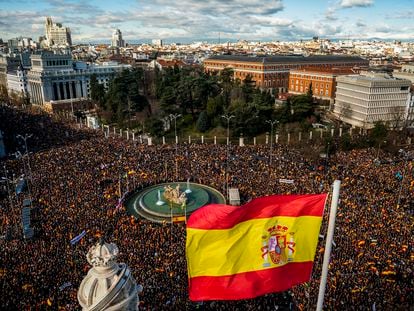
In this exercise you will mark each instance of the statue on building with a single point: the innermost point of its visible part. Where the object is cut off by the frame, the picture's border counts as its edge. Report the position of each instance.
(108, 285)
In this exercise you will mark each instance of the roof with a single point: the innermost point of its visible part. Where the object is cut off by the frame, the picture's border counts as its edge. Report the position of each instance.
(290, 58)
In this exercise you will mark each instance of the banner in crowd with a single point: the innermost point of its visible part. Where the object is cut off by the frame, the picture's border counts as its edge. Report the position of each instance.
(267, 245)
(286, 181)
(77, 238)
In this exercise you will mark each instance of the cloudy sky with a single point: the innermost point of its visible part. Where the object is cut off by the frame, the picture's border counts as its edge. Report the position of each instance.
(192, 20)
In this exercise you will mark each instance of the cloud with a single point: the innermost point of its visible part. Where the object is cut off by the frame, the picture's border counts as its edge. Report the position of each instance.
(355, 3)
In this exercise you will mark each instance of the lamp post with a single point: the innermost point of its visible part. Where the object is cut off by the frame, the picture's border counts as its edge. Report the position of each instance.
(272, 123)
(405, 154)
(25, 137)
(174, 117)
(227, 117)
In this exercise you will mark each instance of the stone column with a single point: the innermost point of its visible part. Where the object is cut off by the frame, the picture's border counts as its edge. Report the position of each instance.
(350, 131)
(241, 141)
(288, 138)
(140, 139)
(149, 141)
(215, 140)
(321, 134)
(114, 132)
(300, 136)
(277, 138)
(65, 95)
(163, 140)
(332, 132)
(340, 131)
(127, 132)
(133, 136)
(254, 141)
(202, 139)
(189, 139)
(120, 132)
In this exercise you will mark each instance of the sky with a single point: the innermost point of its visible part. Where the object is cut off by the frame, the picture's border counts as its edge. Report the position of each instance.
(198, 20)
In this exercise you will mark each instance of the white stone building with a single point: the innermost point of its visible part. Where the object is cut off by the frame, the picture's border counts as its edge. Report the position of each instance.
(362, 100)
(117, 40)
(17, 83)
(55, 78)
(56, 34)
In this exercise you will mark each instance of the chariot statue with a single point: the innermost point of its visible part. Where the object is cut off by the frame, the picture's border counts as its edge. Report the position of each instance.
(174, 195)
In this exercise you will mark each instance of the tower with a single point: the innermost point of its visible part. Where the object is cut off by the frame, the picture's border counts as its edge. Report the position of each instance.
(108, 285)
(117, 39)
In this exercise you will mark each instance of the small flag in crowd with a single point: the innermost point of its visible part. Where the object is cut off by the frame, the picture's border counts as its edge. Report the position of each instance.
(268, 245)
(77, 238)
(65, 285)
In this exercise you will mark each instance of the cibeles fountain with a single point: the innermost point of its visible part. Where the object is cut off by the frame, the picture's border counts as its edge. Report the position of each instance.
(108, 285)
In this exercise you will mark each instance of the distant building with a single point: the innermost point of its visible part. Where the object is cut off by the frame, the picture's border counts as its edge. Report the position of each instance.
(8, 63)
(56, 34)
(117, 40)
(323, 81)
(362, 100)
(161, 63)
(157, 42)
(17, 83)
(55, 80)
(273, 71)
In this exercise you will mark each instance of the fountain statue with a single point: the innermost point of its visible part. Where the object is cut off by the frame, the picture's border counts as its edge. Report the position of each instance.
(174, 195)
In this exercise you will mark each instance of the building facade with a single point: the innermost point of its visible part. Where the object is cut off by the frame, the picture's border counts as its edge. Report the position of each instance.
(117, 39)
(273, 71)
(55, 78)
(17, 83)
(56, 34)
(362, 100)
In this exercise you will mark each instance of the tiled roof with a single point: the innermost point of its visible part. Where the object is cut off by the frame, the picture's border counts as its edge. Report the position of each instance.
(288, 59)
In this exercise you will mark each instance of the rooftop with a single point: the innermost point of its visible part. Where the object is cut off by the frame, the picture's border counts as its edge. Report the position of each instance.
(289, 58)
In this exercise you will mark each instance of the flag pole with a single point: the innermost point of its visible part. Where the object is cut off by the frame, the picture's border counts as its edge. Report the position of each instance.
(328, 245)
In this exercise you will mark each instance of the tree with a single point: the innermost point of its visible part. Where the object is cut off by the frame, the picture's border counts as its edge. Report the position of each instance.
(379, 132)
(203, 122)
(154, 126)
(97, 91)
(310, 91)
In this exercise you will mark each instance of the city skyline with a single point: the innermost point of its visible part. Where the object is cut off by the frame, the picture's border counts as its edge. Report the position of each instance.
(192, 20)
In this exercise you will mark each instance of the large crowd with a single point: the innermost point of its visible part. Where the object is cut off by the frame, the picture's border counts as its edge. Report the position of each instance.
(74, 183)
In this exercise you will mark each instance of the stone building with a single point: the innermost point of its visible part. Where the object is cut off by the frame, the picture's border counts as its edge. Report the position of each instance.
(55, 79)
(362, 100)
(273, 71)
(56, 34)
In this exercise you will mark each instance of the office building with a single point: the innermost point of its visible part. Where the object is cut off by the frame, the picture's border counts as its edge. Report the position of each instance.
(56, 34)
(117, 40)
(362, 100)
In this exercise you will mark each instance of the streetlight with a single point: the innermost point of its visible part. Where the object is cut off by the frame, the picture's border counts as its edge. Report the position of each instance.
(405, 154)
(271, 122)
(228, 117)
(174, 117)
(25, 137)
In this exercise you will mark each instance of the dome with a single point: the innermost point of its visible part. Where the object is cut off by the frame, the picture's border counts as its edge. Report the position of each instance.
(108, 285)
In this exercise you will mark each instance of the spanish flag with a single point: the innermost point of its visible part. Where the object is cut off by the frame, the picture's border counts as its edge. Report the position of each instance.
(267, 245)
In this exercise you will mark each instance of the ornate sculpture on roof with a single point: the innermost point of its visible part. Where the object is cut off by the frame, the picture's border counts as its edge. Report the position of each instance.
(108, 285)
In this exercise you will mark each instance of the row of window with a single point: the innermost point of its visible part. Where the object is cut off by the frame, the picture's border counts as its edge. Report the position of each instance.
(59, 62)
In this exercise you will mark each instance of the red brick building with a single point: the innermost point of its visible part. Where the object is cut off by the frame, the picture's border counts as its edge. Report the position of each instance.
(273, 71)
(323, 81)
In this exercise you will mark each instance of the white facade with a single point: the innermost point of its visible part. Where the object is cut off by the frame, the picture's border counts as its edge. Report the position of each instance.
(56, 34)
(362, 100)
(17, 82)
(54, 77)
(117, 39)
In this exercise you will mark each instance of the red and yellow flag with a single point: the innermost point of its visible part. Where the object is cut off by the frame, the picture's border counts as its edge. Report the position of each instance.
(267, 245)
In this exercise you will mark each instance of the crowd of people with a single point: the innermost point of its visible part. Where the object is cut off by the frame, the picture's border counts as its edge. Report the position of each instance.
(75, 177)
